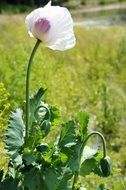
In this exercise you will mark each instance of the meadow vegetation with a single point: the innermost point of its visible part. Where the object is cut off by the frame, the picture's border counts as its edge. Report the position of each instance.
(17, 6)
(89, 77)
(91, 3)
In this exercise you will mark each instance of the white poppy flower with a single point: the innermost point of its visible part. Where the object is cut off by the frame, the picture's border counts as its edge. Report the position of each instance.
(52, 25)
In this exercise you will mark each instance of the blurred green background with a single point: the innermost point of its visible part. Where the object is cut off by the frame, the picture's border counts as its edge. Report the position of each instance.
(20, 6)
(90, 77)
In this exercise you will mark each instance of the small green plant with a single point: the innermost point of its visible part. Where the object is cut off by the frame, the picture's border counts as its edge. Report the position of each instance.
(37, 163)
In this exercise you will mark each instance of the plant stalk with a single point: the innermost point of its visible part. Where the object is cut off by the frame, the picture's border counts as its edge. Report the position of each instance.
(28, 85)
(103, 141)
(81, 151)
(75, 180)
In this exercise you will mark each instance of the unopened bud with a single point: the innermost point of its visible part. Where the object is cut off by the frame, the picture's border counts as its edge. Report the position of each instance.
(105, 164)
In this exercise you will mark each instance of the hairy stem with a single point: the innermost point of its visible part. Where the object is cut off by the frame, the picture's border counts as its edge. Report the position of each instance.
(28, 85)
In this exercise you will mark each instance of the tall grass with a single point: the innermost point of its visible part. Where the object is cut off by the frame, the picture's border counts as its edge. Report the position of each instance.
(89, 77)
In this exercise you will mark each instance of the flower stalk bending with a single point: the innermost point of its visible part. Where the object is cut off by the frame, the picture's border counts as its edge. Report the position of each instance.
(103, 141)
(81, 152)
(28, 85)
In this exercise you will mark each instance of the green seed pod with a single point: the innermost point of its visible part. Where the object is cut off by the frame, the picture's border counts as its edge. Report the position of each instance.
(105, 164)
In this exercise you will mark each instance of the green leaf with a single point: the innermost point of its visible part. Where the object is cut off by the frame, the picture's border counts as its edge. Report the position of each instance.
(70, 145)
(33, 180)
(91, 165)
(17, 160)
(35, 138)
(88, 166)
(83, 119)
(74, 157)
(63, 180)
(15, 134)
(68, 135)
(35, 101)
(58, 178)
(8, 183)
(50, 178)
(29, 158)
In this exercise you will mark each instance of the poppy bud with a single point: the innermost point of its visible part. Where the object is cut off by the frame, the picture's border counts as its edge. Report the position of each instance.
(105, 164)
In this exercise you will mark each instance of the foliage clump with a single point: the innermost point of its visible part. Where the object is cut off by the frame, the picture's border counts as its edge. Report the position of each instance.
(38, 163)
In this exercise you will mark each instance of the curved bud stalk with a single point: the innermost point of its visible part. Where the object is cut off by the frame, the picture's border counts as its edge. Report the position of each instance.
(102, 138)
(105, 163)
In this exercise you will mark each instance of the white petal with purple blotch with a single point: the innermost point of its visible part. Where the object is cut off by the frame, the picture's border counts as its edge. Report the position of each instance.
(53, 25)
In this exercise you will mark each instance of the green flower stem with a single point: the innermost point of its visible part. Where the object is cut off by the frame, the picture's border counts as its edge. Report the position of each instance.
(81, 151)
(75, 180)
(28, 85)
(103, 141)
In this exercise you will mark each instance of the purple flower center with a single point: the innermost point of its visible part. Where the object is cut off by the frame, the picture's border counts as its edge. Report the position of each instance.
(42, 25)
